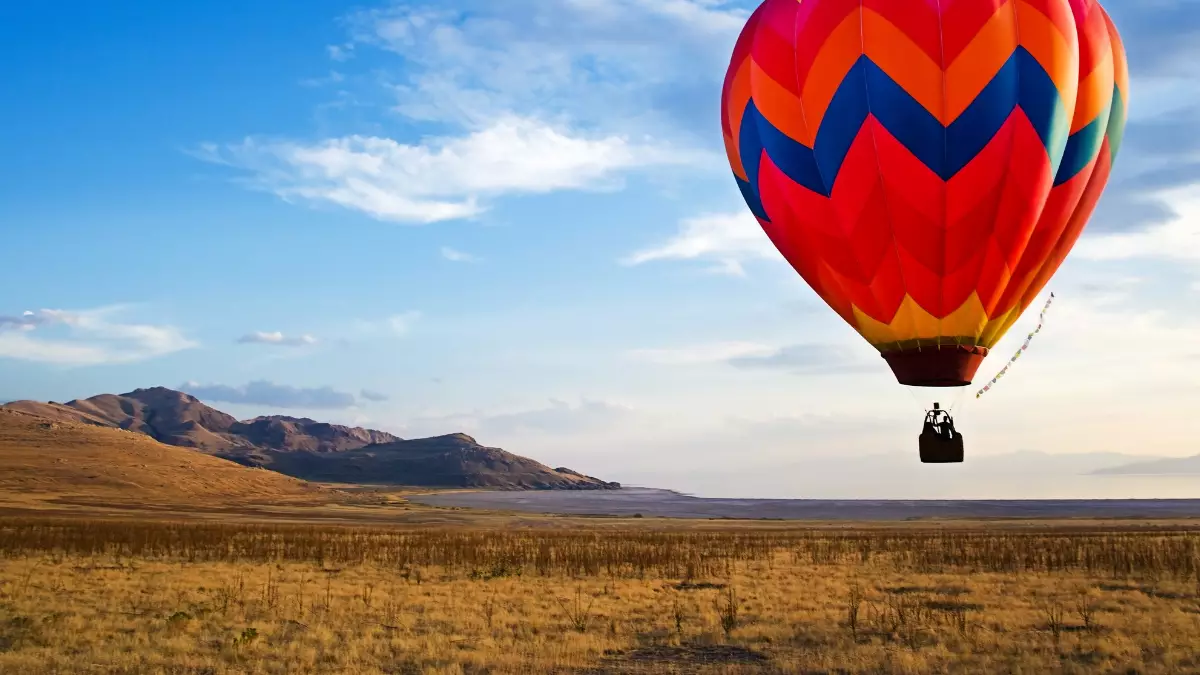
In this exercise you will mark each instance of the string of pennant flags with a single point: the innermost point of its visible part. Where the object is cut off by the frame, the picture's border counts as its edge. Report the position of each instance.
(1025, 346)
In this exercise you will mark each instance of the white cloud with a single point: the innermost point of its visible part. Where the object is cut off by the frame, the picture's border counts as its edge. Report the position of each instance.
(373, 396)
(277, 338)
(92, 338)
(454, 255)
(270, 394)
(558, 418)
(396, 325)
(340, 52)
(604, 63)
(728, 239)
(532, 96)
(808, 359)
(1114, 341)
(401, 324)
(719, 352)
(27, 321)
(334, 77)
(443, 178)
(1177, 239)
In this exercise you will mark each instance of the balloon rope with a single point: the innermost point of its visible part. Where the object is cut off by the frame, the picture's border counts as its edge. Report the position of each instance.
(916, 401)
(1041, 318)
(958, 398)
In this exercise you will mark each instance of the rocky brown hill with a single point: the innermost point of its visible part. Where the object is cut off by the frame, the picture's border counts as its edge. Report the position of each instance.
(176, 418)
(71, 461)
(278, 432)
(165, 415)
(311, 450)
(455, 460)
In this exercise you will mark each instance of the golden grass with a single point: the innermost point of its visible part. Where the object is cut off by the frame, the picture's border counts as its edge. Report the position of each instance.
(124, 597)
(47, 463)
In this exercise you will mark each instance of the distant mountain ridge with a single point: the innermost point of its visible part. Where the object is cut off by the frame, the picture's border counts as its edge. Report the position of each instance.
(311, 450)
(1174, 466)
(280, 432)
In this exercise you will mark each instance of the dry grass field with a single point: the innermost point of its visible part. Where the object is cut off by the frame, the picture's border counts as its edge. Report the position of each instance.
(119, 554)
(80, 596)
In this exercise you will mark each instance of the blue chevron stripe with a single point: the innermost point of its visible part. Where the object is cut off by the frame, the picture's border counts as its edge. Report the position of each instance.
(750, 149)
(1082, 148)
(750, 146)
(753, 199)
(1116, 122)
(795, 159)
(867, 89)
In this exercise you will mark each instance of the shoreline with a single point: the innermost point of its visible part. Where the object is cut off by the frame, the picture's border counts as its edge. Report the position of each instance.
(660, 503)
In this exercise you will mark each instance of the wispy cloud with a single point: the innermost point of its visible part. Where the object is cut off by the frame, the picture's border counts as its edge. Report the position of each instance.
(89, 337)
(808, 359)
(559, 417)
(599, 64)
(265, 393)
(1177, 238)
(718, 352)
(1160, 156)
(396, 325)
(373, 396)
(26, 321)
(334, 77)
(727, 239)
(340, 53)
(401, 324)
(1162, 37)
(800, 358)
(277, 338)
(530, 97)
(454, 255)
(445, 178)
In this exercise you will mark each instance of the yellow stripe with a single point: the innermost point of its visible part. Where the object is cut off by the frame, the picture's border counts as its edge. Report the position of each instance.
(914, 323)
(998, 327)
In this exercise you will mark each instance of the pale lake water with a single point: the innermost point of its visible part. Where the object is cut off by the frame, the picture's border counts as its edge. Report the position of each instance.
(1060, 496)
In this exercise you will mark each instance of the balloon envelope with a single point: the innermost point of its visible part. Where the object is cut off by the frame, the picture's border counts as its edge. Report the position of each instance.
(925, 165)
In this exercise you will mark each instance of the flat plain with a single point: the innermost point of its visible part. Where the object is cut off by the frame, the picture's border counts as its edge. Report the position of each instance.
(121, 555)
(154, 596)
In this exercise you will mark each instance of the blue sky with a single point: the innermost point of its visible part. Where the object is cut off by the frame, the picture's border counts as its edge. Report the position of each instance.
(516, 220)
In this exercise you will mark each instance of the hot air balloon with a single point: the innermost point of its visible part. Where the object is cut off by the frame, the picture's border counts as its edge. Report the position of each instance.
(925, 165)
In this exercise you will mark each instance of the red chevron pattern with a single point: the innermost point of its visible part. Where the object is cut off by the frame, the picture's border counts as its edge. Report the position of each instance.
(925, 165)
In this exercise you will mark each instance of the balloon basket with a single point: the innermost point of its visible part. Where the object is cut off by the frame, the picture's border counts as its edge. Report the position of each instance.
(937, 450)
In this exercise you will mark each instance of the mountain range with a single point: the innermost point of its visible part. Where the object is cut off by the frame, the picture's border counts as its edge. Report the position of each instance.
(1174, 466)
(310, 450)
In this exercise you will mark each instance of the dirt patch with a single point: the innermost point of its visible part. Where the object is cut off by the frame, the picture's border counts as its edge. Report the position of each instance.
(1148, 591)
(927, 590)
(953, 606)
(692, 655)
(698, 586)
